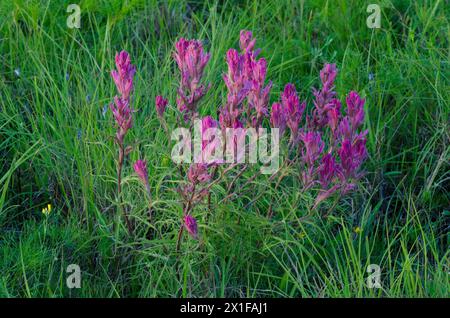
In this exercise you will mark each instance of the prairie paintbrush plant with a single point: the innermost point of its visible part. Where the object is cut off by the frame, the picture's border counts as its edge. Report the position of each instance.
(326, 147)
(121, 109)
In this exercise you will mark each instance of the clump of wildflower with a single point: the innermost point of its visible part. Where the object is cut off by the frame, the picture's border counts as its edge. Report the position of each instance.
(245, 80)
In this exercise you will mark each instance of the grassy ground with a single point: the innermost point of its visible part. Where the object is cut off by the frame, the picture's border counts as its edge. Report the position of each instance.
(56, 147)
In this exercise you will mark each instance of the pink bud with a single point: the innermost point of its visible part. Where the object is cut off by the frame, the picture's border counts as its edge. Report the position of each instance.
(140, 167)
(191, 226)
(161, 104)
(246, 41)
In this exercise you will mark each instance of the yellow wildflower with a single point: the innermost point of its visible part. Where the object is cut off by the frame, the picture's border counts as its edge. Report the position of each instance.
(358, 230)
(46, 211)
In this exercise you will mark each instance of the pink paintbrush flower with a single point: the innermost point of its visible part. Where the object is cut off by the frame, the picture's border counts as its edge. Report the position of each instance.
(355, 109)
(191, 60)
(246, 41)
(123, 76)
(293, 110)
(324, 95)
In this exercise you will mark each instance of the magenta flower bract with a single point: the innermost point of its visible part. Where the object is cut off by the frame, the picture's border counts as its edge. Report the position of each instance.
(123, 77)
(258, 97)
(238, 85)
(161, 104)
(352, 155)
(191, 60)
(355, 109)
(293, 110)
(198, 173)
(245, 79)
(246, 41)
(334, 115)
(327, 170)
(140, 167)
(123, 116)
(278, 118)
(191, 226)
(324, 95)
(313, 146)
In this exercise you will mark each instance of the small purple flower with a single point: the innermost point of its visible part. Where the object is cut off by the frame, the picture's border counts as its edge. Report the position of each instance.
(161, 104)
(104, 110)
(191, 226)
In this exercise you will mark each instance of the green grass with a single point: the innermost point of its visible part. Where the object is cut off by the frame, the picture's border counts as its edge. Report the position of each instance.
(55, 146)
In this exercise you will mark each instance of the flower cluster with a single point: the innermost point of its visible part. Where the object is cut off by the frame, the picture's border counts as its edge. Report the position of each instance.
(245, 81)
(326, 143)
(191, 60)
(123, 78)
(288, 113)
(335, 167)
(324, 95)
